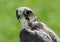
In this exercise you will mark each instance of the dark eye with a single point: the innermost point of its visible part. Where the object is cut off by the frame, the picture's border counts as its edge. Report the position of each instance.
(28, 12)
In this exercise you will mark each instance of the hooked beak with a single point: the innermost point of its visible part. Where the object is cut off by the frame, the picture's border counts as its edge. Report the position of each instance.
(17, 15)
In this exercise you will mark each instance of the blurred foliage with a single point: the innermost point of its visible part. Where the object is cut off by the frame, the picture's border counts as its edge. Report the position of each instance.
(47, 11)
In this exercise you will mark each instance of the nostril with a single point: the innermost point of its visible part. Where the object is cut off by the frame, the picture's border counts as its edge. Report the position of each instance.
(17, 15)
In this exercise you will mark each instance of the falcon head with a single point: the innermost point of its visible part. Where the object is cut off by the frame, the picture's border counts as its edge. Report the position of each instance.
(25, 15)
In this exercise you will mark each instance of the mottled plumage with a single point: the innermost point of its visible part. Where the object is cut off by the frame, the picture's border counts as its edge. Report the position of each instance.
(33, 30)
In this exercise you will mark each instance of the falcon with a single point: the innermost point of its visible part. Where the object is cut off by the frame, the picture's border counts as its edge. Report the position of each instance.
(33, 30)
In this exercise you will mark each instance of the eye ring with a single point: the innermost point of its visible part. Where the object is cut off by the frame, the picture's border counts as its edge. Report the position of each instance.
(28, 12)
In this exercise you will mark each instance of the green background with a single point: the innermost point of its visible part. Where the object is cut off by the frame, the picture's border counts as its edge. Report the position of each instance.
(48, 11)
